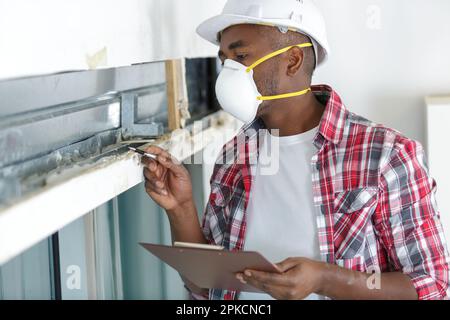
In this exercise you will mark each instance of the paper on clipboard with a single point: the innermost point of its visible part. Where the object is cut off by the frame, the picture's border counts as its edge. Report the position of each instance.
(211, 268)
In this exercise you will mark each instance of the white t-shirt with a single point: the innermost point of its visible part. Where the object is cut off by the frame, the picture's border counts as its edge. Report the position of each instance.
(281, 219)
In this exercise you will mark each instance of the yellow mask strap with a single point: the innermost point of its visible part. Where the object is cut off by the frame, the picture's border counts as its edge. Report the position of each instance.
(276, 53)
(286, 95)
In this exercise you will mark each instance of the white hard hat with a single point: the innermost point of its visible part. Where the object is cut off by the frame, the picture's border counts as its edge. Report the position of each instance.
(297, 15)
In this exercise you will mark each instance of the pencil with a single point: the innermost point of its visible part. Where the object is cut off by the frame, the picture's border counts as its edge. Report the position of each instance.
(143, 153)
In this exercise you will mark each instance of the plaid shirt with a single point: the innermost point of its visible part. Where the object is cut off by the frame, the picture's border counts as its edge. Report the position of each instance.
(374, 199)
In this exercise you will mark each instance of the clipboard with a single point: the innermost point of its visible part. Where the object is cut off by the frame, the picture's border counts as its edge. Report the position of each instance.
(210, 268)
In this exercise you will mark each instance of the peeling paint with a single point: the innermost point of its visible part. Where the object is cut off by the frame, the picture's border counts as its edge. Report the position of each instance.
(18, 179)
(99, 58)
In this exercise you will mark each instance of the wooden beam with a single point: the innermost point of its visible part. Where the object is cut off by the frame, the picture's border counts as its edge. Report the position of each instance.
(176, 93)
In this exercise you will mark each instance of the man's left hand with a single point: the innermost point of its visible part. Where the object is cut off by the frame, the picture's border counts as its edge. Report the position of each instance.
(300, 277)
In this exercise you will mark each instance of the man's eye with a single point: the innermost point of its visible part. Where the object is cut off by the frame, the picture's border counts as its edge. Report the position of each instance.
(241, 56)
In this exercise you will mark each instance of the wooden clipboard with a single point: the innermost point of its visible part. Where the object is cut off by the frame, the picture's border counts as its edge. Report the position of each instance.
(212, 268)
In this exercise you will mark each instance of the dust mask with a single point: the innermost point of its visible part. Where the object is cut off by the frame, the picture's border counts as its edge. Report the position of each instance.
(237, 92)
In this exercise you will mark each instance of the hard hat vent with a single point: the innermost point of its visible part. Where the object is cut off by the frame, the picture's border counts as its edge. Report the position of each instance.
(297, 17)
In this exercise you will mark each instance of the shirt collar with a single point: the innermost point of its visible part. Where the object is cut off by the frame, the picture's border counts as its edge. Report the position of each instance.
(332, 124)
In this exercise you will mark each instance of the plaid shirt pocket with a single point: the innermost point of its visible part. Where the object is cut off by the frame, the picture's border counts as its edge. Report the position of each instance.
(352, 211)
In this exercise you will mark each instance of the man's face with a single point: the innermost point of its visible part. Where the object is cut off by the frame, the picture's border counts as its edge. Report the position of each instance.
(246, 44)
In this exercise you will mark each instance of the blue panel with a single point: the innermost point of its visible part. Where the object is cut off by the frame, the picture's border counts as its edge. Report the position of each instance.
(140, 221)
(28, 276)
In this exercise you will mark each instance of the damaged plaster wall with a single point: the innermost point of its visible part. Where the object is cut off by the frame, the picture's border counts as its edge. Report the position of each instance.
(47, 36)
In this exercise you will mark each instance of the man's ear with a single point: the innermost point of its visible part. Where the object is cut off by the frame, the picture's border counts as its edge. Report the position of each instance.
(295, 61)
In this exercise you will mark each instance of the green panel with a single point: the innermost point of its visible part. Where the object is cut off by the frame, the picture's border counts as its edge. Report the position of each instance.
(108, 272)
(140, 221)
(174, 285)
(28, 276)
(37, 272)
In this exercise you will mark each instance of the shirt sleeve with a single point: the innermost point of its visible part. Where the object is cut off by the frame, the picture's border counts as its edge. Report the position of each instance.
(214, 221)
(407, 221)
(210, 214)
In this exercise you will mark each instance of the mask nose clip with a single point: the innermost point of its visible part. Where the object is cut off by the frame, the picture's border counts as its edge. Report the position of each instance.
(283, 29)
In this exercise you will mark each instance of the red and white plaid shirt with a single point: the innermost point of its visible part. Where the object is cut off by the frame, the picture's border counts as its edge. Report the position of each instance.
(374, 199)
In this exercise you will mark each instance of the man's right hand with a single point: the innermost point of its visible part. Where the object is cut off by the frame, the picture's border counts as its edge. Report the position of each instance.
(167, 181)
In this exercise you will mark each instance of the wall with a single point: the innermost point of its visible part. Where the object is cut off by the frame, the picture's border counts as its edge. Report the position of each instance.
(387, 56)
(39, 37)
(438, 115)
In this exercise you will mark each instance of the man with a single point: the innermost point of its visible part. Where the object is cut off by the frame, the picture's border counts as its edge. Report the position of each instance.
(351, 198)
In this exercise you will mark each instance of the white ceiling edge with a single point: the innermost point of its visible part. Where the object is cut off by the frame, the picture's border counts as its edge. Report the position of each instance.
(48, 210)
(49, 36)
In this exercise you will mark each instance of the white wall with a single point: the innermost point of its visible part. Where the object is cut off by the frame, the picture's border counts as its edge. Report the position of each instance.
(45, 36)
(384, 69)
(386, 57)
(438, 117)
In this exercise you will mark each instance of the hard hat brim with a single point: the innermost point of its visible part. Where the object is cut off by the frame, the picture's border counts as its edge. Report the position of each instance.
(210, 29)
